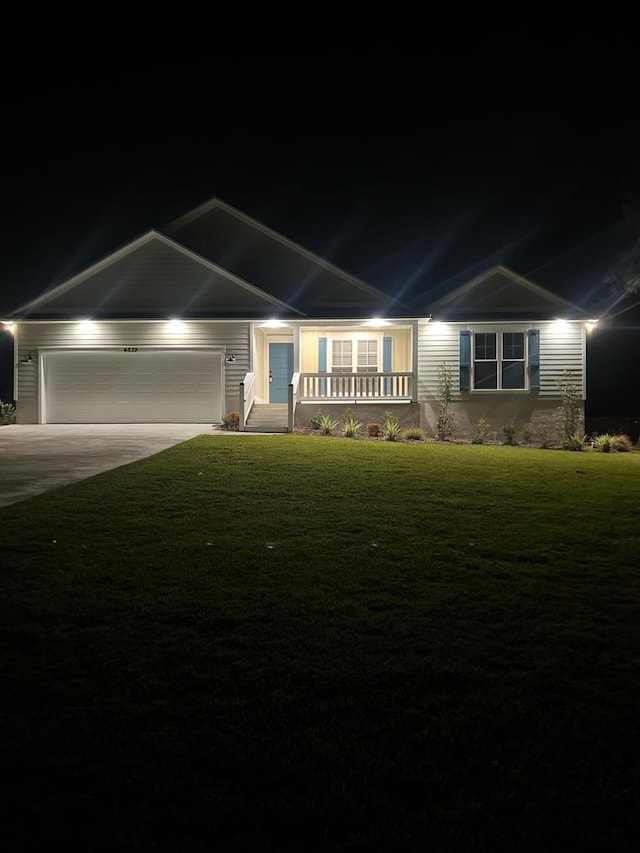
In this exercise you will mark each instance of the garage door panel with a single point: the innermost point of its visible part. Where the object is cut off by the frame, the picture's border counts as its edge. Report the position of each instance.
(144, 387)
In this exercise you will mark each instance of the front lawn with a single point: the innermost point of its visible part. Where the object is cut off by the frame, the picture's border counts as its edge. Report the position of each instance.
(295, 643)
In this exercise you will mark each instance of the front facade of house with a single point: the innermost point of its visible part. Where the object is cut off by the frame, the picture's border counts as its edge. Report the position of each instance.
(220, 314)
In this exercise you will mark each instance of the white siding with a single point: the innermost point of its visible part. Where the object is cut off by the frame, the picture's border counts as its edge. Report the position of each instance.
(231, 336)
(561, 348)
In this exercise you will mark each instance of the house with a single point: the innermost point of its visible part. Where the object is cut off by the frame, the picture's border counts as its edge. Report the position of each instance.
(218, 312)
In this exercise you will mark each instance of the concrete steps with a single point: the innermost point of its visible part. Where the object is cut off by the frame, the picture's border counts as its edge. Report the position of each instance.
(268, 417)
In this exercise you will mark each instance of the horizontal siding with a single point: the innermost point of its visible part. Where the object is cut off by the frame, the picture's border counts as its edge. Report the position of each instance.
(561, 349)
(437, 343)
(234, 337)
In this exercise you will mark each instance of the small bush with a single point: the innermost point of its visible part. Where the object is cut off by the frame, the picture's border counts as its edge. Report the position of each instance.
(391, 428)
(527, 432)
(545, 438)
(575, 441)
(509, 433)
(413, 433)
(445, 419)
(622, 443)
(603, 443)
(351, 427)
(480, 431)
(7, 413)
(327, 424)
(231, 420)
(373, 429)
(314, 420)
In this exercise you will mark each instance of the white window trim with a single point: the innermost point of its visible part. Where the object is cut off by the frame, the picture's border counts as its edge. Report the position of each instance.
(499, 333)
(353, 338)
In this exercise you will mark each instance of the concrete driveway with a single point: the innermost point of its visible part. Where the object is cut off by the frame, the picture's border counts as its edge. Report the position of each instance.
(34, 459)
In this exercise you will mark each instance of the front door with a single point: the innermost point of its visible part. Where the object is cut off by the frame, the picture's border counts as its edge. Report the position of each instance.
(280, 372)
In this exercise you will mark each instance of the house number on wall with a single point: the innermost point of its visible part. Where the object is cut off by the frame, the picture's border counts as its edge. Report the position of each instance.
(131, 349)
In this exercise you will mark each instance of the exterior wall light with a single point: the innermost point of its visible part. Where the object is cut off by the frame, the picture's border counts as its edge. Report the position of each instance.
(590, 325)
(230, 358)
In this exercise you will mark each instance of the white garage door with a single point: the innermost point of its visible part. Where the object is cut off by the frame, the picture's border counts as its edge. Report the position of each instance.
(167, 386)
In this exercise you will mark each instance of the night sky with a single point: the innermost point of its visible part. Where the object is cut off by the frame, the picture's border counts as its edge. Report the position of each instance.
(414, 172)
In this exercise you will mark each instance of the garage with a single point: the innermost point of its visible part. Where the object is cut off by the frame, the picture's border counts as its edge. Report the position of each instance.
(132, 385)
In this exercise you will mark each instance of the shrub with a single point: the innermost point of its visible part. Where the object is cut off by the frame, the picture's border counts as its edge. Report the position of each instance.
(314, 420)
(575, 441)
(231, 420)
(545, 438)
(327, 424)
(622, 443)
(413, 433)
(445, 419)
(480, 431)
(351, 427)
(604, 443)
(7, 413)
(509, 433)
(568, 418)
(527, 432)
(391, 428)
(373, 429)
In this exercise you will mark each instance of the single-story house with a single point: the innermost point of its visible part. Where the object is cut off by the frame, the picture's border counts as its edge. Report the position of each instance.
(219, 313)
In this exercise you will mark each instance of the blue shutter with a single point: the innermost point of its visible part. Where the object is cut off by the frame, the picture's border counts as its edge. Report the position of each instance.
(322, 364)
(386, 362)
(534, 359)
(322, 355)
(465, 361)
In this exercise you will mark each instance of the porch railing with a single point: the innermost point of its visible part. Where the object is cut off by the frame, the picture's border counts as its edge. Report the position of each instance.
(247, 397)
(294, 388)
(343, 387)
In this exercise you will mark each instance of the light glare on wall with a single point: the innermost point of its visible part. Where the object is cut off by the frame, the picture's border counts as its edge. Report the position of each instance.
(86, 327)
(175, 327)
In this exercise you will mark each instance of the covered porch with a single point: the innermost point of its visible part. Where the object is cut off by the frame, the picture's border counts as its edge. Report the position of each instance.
(345, 363)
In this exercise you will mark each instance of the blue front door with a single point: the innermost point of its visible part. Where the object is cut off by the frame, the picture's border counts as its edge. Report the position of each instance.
(280, 372)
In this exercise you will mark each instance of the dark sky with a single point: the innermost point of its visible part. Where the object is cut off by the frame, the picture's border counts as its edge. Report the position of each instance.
(413, 171)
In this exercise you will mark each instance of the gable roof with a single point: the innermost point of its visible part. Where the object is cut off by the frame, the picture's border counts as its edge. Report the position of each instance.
(154, 276)
(501, 293)
(293, 274)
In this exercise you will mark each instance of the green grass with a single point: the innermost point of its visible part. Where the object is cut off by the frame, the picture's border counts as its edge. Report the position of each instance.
(299, 643)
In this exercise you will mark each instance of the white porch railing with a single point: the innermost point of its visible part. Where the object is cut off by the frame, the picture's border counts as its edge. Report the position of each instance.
(352, 387)
(247, 397)
(294, 388)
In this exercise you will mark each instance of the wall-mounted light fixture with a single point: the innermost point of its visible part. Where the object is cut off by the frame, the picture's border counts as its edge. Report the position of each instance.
(27, 358)
(230, 358)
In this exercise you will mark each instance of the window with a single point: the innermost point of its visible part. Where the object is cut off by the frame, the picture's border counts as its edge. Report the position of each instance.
(367, 356)
(366, 352)
(342, 357)
(498, 361)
